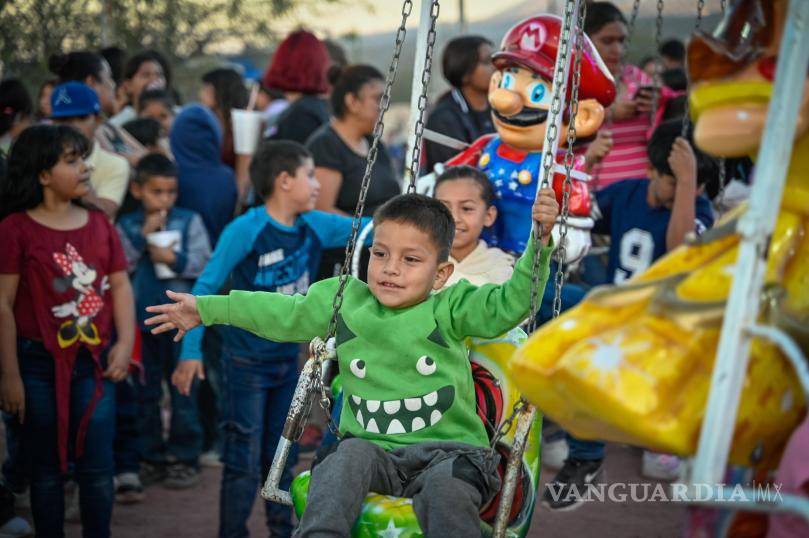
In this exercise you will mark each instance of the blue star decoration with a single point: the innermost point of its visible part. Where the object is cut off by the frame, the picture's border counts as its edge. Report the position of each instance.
(513, 185)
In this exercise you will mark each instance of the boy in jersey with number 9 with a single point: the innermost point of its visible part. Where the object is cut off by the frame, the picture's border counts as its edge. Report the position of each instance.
(647, 219)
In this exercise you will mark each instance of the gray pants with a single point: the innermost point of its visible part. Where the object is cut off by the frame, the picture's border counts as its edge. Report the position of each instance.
(447, 481)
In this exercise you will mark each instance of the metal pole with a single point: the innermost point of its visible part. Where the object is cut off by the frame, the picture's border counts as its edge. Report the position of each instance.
(461, 17)
(524, 422)
(415, 87)
(755, 228)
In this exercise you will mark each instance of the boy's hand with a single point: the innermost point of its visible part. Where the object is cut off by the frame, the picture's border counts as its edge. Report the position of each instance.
(154, 222)
(118, 361)
(163, 254)
(184, 374)
(623, 110)
(12, 395)
(599, 148)
(683, 163)
(544, 212)
(181, 315)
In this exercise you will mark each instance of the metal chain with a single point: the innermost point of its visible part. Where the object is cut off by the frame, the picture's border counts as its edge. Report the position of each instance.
(720, 195)
(507, 423)
(658, 60)
(548, 158)
(379, 128)
(722, 5)
(573, 111)
(632, 19)
(415, 159)
(687, 113)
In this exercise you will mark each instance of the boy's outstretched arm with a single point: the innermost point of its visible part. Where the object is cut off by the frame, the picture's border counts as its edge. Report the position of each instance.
(683, 213)
(489, 311)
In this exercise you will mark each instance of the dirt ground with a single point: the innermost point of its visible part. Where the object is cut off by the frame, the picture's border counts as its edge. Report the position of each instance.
(195, 512)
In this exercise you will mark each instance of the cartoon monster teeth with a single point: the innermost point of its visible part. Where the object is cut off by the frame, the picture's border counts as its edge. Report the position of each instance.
(431, 398)
(406, 415)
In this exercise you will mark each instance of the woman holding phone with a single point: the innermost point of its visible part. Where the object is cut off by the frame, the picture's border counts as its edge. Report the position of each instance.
(621, 144)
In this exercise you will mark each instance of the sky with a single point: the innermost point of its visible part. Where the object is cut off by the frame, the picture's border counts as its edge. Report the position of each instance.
(378, 16)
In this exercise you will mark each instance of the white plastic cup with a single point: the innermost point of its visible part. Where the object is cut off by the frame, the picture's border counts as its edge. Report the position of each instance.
(246, 130)
(165, 239)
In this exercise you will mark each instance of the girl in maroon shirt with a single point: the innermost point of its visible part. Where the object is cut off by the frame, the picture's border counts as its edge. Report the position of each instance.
(63, 285)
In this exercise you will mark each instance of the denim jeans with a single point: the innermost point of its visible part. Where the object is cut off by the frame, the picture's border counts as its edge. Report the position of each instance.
(127, 428)
(16, 467)
(159, 355)
(210, 390)
(571, 295)
(93, 470)
(256, 398)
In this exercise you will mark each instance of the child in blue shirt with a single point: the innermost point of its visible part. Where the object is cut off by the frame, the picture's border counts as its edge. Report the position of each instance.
(273, 247)
(646, 219)
(153, 270)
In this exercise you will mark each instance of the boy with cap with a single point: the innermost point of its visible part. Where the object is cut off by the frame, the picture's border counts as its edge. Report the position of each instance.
(76, 104)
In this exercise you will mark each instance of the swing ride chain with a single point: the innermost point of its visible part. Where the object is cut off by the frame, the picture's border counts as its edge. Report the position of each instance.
(573, 111)
(687, 113)
(632, 19)
(548, 158)
(422, 104)
(658, 60)
(379, 128)
(507, 423)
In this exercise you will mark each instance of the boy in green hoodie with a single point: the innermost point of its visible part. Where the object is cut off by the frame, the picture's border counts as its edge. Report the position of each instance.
(409, 423)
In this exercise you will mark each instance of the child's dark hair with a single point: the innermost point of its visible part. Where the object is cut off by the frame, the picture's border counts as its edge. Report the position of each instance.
(134, 63)
(454, 173)
(425, 214)
(144, 130)
(229, 90)
(77, 65)
(600, 14)
(659, 148)
(154, 164)
(350, 80)
(14, 102)
(36, 150)
(162, 96)
(461, 57)
(674, 49)
(273, 157)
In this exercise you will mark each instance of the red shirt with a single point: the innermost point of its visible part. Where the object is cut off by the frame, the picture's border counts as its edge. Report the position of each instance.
(63, 296)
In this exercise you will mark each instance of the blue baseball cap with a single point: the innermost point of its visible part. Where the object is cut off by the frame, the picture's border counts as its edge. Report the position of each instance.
(73, 99)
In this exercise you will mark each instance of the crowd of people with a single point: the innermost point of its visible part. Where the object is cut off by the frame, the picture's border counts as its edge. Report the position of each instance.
(117, 198)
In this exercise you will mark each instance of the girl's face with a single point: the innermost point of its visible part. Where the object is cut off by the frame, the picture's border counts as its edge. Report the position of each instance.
(207, 96)
(45, 100)
(69, 178)
(610, 43)
(105, 88)
(470, 212)
(148, 76)
(364, 106)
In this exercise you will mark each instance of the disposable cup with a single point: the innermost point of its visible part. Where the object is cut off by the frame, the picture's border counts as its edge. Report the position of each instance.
(246, 130)
(165, 239)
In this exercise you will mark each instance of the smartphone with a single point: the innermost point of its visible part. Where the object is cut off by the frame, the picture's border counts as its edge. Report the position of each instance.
(647, 91)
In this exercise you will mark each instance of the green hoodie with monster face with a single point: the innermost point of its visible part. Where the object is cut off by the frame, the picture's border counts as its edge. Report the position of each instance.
(406, 373)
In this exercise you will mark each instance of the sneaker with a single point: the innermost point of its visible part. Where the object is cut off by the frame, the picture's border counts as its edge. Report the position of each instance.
(128, 489)
(181, 476)
(661, 466)
(72, 510)
(554, 452)
(152, 473)
(310, 439)
(569, 486)
(16, 527)
(210, 459)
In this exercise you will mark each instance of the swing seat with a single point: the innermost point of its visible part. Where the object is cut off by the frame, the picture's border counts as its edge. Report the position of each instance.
(496, 394)
(632, 363)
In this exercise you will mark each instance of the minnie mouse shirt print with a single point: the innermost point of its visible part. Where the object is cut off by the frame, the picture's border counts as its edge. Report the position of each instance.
(63, 297)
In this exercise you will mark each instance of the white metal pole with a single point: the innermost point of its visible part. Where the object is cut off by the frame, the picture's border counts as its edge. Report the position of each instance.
(415, 87)
(755, 228)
